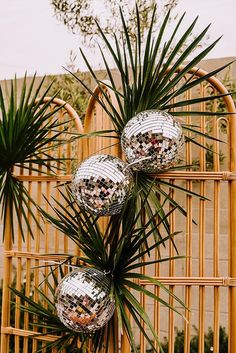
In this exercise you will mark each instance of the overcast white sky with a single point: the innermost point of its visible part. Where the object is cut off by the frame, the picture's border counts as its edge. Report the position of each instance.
(32, 39)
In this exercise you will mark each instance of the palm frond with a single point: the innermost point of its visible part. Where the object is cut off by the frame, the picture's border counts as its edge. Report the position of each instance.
(153, 76)
(26, 137)
(152, 73)
(118, 250)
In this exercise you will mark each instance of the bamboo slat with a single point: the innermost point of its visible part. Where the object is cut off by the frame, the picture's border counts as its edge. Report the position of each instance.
(180, 175)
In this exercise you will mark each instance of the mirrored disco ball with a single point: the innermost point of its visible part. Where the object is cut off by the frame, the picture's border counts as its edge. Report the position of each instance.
(154, 134)
(83, 301)
(102, 183)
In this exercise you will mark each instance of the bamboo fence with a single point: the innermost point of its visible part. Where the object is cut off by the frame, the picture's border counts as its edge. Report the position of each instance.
(205, 279)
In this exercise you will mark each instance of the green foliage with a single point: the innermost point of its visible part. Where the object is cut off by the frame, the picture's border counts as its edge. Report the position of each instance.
(151, 74)
(67, 89)
(208, 342)
(151, 77)
(209, 158)
(230, 84)
(26, 140)
(80, 16)
(119, 251)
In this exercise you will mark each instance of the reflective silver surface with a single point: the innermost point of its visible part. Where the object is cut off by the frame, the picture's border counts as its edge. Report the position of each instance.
(155, 135)
(102, 183)
(83, 300)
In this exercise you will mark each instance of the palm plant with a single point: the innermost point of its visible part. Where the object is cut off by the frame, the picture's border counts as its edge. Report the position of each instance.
(151, 73)
(115, 251)
(26, 139)
(151, 76)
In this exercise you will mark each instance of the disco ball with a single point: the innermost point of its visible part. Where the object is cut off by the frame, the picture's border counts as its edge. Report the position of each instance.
(83, 301)
(102, 183)
(153, 141)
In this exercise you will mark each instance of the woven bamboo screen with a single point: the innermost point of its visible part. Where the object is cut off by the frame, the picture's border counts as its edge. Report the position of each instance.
(205, 279)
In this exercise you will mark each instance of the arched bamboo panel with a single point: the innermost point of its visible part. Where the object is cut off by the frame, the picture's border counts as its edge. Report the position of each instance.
(205, 279)
(96, 119)
(21, 259)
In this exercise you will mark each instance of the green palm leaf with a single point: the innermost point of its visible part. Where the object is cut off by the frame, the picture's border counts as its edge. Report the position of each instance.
(150, 73)
(151, 77)
(26, 137)
(117, 251)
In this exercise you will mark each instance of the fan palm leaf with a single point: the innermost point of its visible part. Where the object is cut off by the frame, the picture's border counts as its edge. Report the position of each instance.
(26, 139)
(116, 251)
(150, 73)
(151, 77)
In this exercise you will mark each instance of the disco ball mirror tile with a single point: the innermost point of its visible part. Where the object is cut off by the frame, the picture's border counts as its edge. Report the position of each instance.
(102, 183)
(155, 135)
(83, 301)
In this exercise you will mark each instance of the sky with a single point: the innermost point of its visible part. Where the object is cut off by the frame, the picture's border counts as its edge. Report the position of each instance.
(32, 39)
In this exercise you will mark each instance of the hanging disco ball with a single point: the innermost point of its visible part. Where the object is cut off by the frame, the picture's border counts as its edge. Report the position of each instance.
(83, 301)
(152, 141)
(102, 183)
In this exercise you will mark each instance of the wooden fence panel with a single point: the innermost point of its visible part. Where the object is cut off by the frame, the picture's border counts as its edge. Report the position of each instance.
(205, 279)
(21, 259)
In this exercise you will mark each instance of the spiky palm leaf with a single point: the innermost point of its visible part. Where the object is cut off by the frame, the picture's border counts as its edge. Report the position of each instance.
(26, 138)
(119, 251)
(151, 77)
(151, 74)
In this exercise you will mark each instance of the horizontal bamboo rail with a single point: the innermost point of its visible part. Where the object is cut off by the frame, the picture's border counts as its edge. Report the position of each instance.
(26, 333)
(175, 280)
(32, 255)
(183, 175)
(193, 281)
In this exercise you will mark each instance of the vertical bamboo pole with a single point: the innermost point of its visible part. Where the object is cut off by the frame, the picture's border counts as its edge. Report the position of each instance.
(232, 232)
(202, 211)
(125, 346)
(18, 284)
(171, 274)
(7, 266)
(113, 337)
(157, 293)
(216, 161)
(171, 327)
(28, 269)
(156, 303)
(143, 300)
(188, 262)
